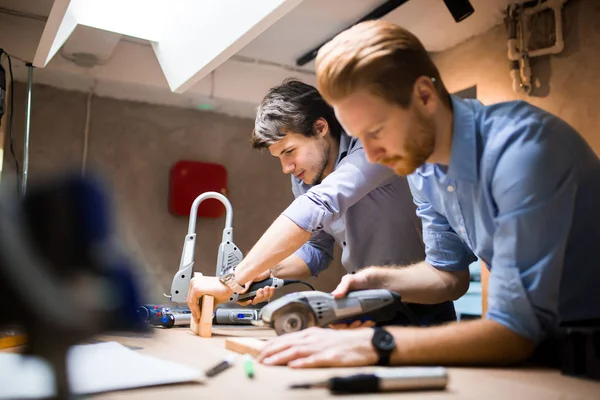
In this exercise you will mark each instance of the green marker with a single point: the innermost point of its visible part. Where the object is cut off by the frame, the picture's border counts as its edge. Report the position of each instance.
(249, 366)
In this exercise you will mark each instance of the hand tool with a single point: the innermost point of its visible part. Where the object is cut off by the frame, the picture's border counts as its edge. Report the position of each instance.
(297, 311)
(228, 257)
(384, 380)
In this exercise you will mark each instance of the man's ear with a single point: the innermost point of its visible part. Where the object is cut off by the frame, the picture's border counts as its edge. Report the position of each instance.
(424, 94)
(321, 127)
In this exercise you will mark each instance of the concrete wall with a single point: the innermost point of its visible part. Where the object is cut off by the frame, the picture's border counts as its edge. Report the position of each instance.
(134, 145)
(566, 84)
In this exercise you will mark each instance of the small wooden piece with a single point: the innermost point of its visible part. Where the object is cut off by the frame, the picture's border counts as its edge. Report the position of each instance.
(194, 326)
(485, 279)
(207, 307)
(245, 345)
(204, 328)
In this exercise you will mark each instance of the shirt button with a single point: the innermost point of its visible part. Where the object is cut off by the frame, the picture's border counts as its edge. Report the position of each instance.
(450, 188)
(344, 243)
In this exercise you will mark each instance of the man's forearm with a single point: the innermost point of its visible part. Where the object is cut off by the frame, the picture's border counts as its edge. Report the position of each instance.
(482, 342)
(282, 239)
(292, 267)
(420, 283)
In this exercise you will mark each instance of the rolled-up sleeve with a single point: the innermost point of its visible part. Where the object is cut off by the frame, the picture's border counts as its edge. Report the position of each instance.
(323, 204)
(444, 249)
(317, 253)
(534, 186)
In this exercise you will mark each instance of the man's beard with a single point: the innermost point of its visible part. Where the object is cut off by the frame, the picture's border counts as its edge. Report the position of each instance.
(418, 148)
(322, 165)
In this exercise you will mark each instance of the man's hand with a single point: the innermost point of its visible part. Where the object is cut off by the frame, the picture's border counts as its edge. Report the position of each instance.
(350, 282)
(317, 347)
(201, 285)
(353, 325)
(262, 294)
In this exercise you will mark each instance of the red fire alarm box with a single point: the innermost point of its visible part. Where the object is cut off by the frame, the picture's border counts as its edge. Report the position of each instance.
(189, 179)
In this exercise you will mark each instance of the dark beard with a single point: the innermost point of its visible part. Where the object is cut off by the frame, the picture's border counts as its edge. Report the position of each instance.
(324, 163)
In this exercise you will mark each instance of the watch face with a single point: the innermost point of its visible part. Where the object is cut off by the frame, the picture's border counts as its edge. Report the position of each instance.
(384, 340)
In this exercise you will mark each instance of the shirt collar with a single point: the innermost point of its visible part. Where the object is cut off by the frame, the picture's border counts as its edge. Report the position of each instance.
(345, 142)
(463, 159)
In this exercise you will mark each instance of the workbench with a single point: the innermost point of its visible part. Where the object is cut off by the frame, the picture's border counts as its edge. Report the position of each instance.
(181, 345)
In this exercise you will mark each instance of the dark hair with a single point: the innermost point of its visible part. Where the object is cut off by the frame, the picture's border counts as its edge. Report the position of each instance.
(294, 107)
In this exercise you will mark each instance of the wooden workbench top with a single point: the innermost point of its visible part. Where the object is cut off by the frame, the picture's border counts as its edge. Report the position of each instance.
(181, 345)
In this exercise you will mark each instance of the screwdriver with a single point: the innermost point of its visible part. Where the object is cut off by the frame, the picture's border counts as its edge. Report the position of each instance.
(388, 379)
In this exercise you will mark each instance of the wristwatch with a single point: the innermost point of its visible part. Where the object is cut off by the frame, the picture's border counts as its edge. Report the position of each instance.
(384, 344)
(229, 280)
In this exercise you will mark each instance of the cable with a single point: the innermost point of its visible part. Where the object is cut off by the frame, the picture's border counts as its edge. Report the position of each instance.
(409, 314)
(292, 281)
(12, 112)
(86, 132)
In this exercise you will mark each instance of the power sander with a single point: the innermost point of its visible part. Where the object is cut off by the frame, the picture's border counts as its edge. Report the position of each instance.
(228, 257)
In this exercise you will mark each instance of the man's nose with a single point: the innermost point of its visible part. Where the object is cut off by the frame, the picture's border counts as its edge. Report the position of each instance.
(373, 152)
(287, 168)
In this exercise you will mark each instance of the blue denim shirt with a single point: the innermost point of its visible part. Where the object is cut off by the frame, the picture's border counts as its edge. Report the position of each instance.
(522, 192)
(364, 207)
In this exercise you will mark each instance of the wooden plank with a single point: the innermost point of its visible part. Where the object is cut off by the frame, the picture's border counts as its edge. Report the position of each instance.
(246, 345)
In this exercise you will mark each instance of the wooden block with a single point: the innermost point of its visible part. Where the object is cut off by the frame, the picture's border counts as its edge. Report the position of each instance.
(207, 309)
(485, 278)
(204, 328)
(194, 326)
(243, 345)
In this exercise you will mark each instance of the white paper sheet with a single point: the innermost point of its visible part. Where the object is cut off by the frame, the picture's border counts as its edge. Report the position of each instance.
(93, 368)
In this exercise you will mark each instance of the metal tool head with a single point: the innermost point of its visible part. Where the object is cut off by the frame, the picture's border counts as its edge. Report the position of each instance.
(293, 318)
(290, 313)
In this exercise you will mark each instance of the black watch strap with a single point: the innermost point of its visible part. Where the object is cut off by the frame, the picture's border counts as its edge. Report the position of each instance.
(384, 344)
(384, 359)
